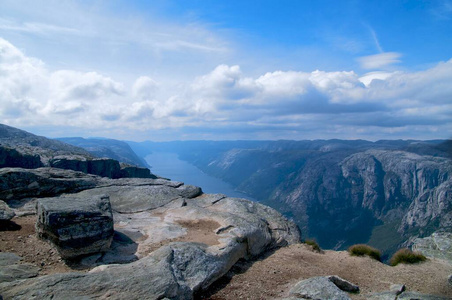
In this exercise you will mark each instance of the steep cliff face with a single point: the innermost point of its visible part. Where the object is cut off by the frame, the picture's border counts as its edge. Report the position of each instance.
(383, 193)
(117, 150)
(344, 201)
(19, 148)
(12, 158)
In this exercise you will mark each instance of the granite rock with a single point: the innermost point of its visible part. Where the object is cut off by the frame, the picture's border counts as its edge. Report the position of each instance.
(76, 226)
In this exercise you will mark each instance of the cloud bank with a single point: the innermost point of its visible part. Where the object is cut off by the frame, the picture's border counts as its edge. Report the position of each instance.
(225, 103)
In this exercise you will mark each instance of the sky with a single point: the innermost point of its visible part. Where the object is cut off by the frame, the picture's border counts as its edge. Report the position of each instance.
(227, 69)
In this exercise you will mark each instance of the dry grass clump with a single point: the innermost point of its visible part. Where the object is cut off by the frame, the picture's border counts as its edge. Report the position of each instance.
(406, 256)
(314, 245)
(362, 249)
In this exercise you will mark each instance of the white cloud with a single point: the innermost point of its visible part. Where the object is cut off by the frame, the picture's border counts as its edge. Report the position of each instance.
(36, 27)
(380, 60)
(144, 88)
(367, 78)
(276, 104)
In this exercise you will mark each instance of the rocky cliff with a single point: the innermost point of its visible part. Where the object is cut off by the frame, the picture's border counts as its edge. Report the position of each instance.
(170, 240)
(140, 238)
(19, 148)
(109, 148)
(339, 192)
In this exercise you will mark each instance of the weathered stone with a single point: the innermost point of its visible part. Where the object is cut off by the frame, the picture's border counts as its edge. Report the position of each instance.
(321, 288)
(388, 295)
(76, 226)
(343, 284)
(6, 213)
(136, 172)
(17, 184)
(176, 270)
(18, 271)
(8, 258)
(11, 158)
(189, 191)
(438, 245)
(419, 296)
(146, 196)
(397, 288)
(11, 269)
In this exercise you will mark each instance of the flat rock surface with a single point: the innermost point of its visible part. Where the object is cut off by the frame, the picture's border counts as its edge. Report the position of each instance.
(319, 287)
(171, 233)
(438, 245)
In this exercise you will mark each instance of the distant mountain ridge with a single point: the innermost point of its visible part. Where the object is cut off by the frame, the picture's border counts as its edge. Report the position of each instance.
(384, 193)
(110, 148)
(22, 149)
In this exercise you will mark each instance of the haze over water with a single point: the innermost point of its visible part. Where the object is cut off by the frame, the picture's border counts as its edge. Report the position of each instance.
(169, 165)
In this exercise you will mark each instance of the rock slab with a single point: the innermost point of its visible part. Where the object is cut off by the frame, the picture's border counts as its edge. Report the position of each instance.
(320, 288)
(438, 245)
(76, 226)
(11, 269)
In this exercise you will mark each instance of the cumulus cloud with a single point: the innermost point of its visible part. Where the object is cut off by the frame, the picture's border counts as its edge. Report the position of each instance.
(225, 103)
(144, 88)
(380, 60)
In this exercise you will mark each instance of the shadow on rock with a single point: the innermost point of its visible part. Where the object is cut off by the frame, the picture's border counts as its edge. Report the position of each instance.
(240, 267)
(122, 251)
(9, 226)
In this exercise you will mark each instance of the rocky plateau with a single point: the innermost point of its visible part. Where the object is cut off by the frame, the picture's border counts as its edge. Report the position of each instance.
(144, 237)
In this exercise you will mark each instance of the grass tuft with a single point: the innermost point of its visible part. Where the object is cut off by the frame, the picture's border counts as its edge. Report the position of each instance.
(314, 245)
(406, 256)
(362, 249)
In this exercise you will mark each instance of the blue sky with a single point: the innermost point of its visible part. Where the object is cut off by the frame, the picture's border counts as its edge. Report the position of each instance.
(170, 70)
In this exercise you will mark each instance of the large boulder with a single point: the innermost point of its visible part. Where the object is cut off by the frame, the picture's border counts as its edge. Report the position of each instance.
(321, 288)
(12, 158)
(76, 226)
(17, 183)
(6, 213)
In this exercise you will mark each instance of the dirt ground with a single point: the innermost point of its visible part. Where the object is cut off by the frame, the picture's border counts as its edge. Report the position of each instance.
(269, 277)
(21, 239)
(272, 277)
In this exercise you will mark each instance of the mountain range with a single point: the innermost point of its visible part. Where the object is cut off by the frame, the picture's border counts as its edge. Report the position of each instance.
(339, 192)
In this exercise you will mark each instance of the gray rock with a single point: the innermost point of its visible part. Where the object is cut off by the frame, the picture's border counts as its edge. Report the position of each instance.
(8, 258)
(388, 295)
(321, 288)
(397, 288)
(449, 279)
(11, 269)
(6, 213)
(176, 270)
(18, 271)
(149, 278)
(189, 191)
(76, 226)
(11, 158)
(17, 184)
(343, 284)
(419, 296)
(438, 245)
(136, 172)
(143, 195)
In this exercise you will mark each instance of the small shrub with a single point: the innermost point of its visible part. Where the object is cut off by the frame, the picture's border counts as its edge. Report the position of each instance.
(361, 250)
(406, 256)
(313, 244)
